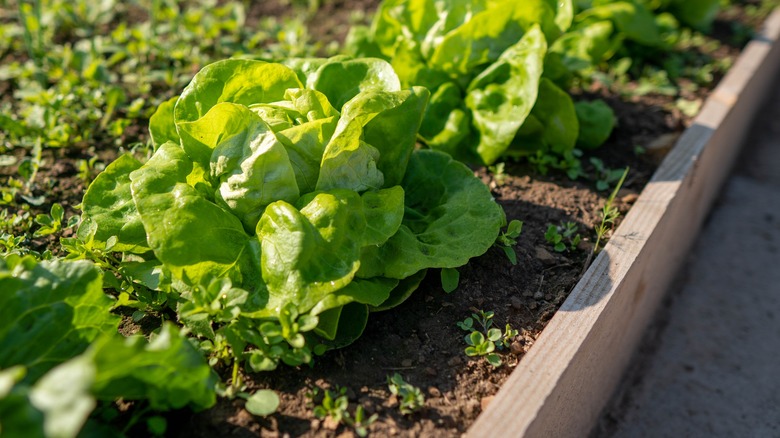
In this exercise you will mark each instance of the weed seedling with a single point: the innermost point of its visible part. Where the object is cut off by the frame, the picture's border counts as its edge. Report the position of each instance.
(484, 342)
(604, 177)
(609, 214)
(508, 239)
(335, 404)
(563, 237)
(410, 397)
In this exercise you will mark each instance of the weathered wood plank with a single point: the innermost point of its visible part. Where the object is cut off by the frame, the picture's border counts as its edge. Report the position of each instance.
(560, 387)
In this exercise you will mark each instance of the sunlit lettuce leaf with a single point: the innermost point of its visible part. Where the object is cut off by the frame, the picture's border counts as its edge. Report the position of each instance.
(49, 312)
(192, 236)
(313, 251)
(583, 48)
(341, 80)
(502, 96)
(161, 124)
(484, 38)
(240, 81)
(108, 203)
(390, 124)
(450, 217)
(251, 167)
(305, 145)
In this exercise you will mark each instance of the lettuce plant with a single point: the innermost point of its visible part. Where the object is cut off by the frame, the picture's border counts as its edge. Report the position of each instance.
(285, 202)
(483, 62)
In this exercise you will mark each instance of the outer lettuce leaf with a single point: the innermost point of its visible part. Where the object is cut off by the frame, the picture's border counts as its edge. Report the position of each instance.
(502, 96)
(552, 125)
(167, 371)
(193, 237)
(50, 312)
(384, 211)
(108, 203)
(312, 252)
(401, 292)
(450, 217)
(484, 38)
(596, 121)
(240, 81)
(161, 125)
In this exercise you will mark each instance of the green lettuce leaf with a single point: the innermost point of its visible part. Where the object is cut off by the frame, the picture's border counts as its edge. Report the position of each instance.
(502, 96)
(108, 203)
(450, 217)
(552, 125)
(312, 252)
(50, 312)
(192, 236)
(596, 120)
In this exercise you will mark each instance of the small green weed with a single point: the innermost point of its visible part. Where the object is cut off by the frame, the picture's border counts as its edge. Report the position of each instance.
(484, 342)
(508, 239)
(410, 397)
(563, 237)
(335, 405)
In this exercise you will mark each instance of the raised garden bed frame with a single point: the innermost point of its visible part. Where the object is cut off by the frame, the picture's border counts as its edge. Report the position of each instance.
(564, 381)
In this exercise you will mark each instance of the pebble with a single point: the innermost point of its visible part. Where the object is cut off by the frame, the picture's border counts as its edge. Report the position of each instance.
(517, 347)
(538, 295)
(548, 297)
(431, 371)
(455, 361)
(434, 391)
(406, 363)
(516, 303)
(544, 255)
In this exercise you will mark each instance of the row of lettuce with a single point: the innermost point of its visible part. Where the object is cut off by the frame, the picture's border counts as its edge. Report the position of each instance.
(286, 201)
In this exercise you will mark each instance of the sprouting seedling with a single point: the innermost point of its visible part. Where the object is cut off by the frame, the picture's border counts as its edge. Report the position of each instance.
(559, 236)
(609, 214)
(335, 405)
(499, 173)
(508, 239)
(485, 342)
(604, 175)
(410, 397)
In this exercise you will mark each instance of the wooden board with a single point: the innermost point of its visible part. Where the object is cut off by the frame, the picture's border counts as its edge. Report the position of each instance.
(562, 384)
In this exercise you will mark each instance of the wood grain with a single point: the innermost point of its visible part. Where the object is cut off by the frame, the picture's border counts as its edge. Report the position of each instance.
(561, 385)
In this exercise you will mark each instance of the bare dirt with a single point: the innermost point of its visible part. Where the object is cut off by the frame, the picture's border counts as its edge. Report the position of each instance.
(419, 339)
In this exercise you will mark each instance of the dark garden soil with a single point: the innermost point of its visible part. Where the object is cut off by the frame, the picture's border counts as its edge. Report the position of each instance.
(419, 339)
